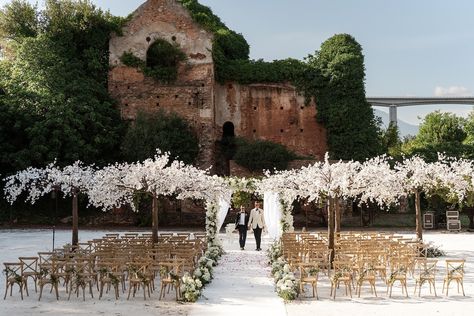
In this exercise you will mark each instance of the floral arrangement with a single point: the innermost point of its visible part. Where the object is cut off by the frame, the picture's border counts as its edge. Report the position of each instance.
(286, 285)
(192, 284)
(286, 222)
(190, 288)
(211, 224)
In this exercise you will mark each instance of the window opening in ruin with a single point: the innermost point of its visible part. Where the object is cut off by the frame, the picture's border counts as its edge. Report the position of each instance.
(162, 60)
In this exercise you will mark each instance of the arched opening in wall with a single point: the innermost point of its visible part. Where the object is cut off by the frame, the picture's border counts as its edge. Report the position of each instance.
(162, 59)
(228, 130)
(227, 150)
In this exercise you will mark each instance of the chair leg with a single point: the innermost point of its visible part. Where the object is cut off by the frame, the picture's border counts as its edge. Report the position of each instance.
(25, 285)
(21, 290)
(57, 292)
(6, 289)
(462, 286)
(41, 292)
(101, 290)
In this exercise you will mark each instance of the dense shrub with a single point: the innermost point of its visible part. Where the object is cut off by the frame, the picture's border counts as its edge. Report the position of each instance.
(262, 155)
(160, 130)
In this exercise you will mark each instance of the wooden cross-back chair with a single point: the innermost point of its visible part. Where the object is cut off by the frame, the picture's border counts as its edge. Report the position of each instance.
(425, 272)
(13, 275)
(454, 272)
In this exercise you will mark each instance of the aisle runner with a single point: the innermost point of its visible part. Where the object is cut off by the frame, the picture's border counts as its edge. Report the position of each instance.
(241, 286)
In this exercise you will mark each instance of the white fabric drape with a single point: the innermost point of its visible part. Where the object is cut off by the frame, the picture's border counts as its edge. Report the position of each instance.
(272, 214)
(224, 205)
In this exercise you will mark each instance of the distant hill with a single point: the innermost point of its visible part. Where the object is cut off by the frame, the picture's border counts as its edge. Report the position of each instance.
(404, 127)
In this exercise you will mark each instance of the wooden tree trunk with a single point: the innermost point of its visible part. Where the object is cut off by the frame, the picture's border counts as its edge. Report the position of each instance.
(154, 217)
(331, 229)
(337, 215)
(419, 221)
(75, 219)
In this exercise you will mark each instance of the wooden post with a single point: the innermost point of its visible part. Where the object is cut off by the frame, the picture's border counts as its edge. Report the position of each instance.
(154, 217)
(419, 220)
(331, 229)
(75, 218)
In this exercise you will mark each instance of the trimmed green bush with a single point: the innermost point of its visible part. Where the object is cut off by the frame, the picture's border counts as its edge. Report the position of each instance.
(262, 155)
(165, 131)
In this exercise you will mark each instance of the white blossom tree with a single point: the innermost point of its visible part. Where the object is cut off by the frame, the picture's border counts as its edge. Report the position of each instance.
(118, 184)
(418, 176)
(36, 182)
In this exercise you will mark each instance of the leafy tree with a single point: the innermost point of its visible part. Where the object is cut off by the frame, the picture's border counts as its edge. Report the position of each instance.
(340, 96)
(55, 87)
(390, 141)
(19, 19)
(440, 132)
(469, 129)
(438, 128)
(160, 130)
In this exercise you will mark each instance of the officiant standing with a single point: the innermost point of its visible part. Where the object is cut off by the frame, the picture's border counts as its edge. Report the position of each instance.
(257, 223)
(241, 223)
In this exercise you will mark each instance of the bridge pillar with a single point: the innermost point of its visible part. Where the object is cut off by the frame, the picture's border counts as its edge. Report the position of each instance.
(393, 114)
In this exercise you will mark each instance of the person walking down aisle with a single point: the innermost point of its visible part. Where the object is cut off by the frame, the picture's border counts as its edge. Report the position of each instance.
(241, 223)
(257, 223)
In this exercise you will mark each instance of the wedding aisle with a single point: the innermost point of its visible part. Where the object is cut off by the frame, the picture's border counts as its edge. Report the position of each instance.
(241, 284)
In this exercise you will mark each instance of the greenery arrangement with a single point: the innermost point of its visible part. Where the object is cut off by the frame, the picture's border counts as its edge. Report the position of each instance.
(166, 131)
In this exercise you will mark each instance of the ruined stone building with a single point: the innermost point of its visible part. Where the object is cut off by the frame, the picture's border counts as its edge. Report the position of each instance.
(272, 112)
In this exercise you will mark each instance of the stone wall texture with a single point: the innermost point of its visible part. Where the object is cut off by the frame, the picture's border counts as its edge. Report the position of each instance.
(274, 112)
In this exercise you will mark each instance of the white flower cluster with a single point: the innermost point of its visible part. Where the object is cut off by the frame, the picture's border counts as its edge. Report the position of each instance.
(286, 284)
(202, 275)
(286, 222)
(242, 184)
(37, 182)
(190, 288)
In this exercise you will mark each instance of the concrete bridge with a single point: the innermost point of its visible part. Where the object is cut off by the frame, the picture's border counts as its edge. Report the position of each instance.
(395, 102)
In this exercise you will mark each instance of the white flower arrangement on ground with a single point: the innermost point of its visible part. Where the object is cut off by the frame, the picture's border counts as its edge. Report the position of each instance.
(286, 284)
(202, 275)
(190, 288)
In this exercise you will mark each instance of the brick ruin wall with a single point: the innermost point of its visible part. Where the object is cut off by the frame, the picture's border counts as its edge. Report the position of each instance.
(274, 112)
(191, 96)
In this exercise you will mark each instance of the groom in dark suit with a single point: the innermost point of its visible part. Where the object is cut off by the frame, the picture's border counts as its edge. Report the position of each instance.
(241, 222)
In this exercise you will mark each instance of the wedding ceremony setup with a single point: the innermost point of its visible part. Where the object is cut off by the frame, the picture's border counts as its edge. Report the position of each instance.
(211, 157)
(132, 265)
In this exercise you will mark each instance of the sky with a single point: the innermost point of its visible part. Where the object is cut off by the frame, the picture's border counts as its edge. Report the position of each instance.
(412, 48)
